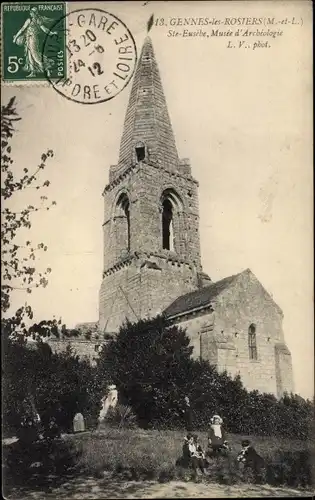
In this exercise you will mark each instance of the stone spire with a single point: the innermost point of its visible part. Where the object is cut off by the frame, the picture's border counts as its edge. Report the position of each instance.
(148, 132)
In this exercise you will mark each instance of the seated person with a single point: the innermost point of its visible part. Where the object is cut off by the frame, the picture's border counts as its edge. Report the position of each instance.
(216, 437)
(199, 451)
(251, 459)
(184, 460)
(193, 454)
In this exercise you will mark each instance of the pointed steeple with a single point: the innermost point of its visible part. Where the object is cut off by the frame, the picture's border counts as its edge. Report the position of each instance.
(147, 128)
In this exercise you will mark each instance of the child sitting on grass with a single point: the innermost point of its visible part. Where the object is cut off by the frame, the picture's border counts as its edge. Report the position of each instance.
(252, 461)
(193, 455)
(199, 451)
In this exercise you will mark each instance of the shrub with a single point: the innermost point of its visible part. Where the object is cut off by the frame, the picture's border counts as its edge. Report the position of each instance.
(292, 468)
(39, 462)
(121, 416)
(150, 362)
(56, 385)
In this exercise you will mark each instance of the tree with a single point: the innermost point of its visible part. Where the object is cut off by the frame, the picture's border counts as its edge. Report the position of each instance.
(35, 379)
(56, 385)
(149, 361)
(18, 257)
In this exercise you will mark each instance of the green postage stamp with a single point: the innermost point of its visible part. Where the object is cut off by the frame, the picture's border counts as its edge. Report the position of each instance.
(25, 28)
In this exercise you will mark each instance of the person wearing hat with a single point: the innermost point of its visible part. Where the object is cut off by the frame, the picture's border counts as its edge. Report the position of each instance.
(192, 454)
(216, 436)
(251, 460)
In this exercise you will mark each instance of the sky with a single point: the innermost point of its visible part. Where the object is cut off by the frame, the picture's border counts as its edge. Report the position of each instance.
(242, 117)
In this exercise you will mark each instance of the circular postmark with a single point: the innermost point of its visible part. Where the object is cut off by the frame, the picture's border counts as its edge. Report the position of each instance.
(101, 56)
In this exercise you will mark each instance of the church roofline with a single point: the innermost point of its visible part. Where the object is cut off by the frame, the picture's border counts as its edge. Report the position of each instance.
(248, 271)
(190, 312)
(201, 298)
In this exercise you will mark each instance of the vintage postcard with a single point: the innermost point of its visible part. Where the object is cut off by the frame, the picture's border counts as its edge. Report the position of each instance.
(156, 249)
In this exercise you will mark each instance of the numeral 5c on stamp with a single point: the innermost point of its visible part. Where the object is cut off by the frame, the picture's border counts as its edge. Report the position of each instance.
(25, 27)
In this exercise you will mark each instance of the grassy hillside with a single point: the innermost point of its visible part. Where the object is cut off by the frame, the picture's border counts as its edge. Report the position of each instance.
(139, 454)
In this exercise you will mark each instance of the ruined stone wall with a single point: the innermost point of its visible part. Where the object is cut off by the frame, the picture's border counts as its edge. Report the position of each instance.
(86, 349)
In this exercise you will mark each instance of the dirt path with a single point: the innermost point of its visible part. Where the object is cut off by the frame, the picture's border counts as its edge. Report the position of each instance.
(91, 488)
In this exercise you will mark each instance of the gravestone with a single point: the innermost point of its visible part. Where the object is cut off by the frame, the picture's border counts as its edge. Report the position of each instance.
(78, 423)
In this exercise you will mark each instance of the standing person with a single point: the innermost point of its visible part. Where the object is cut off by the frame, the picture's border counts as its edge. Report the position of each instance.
(188, 414)
(216, 436)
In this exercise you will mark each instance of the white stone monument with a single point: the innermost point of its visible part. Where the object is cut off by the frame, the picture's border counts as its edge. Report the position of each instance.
(109, 401)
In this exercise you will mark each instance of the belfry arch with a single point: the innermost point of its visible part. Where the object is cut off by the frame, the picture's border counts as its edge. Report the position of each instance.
(171, 205)
(122, 222)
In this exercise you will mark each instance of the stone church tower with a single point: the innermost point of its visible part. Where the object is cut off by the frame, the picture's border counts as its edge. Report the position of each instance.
(152, 258)
(151, 215)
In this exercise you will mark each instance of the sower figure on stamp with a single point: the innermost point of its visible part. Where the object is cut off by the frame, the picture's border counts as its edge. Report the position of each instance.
(30, 36)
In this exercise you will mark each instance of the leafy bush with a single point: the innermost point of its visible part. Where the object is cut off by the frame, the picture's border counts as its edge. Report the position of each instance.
(150, 362)
(292, 468)
(58, 386)
(40, 462)
(121, 416)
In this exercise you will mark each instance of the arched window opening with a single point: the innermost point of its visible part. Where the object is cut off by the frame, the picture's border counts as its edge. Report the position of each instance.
(140, 151)
(172, 206)
(123, 218)
(167, 225)
(252, 343)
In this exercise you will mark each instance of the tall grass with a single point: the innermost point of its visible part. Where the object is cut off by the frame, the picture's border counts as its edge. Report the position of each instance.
(137, 454)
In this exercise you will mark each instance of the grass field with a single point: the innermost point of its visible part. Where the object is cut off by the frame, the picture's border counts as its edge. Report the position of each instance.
(142, 455)
(135, 462)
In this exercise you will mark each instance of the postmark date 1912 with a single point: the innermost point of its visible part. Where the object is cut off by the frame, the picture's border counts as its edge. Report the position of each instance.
(101, 56)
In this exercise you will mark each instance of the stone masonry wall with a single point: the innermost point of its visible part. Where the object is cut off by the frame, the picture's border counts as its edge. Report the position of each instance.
(246, 303)
(143, 289)
(198, 328)
(131, 288)
(144, 186)
(284, 371)
(207, 344)
(225, 344)
(86, 349)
